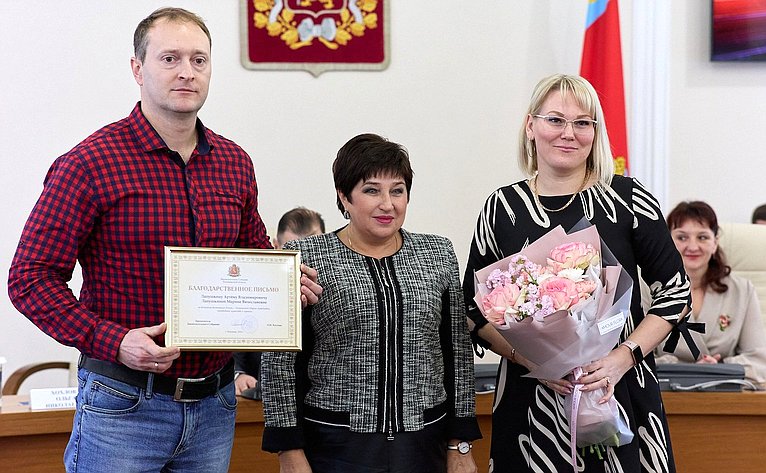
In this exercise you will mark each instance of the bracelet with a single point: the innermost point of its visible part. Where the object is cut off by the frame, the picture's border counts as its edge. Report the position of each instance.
(513, 355)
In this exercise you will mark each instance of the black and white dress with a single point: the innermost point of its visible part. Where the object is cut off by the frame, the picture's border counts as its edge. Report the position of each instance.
(530, 431)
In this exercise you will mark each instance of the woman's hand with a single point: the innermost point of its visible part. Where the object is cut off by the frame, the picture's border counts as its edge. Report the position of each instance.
(242, 382)
(561, 386)
(293, 461)
(460, 463)
(709, 359)
(310, 289)
(607, 372)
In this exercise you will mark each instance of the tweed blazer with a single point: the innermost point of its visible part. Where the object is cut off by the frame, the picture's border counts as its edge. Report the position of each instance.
(386, 348)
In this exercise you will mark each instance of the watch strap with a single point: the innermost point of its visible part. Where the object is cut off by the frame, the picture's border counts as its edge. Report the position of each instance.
(635, 351)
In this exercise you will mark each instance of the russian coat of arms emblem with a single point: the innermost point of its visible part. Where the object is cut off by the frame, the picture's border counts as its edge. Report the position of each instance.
(315, 35)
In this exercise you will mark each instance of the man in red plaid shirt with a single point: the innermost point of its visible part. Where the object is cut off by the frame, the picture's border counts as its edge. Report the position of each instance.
(157, 177)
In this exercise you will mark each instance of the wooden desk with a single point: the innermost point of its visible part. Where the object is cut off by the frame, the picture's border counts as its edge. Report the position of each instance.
(34, 441)
(710, 432)
(717, 432)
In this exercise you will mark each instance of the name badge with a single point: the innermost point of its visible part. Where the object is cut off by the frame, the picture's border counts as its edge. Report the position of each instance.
(52, 398)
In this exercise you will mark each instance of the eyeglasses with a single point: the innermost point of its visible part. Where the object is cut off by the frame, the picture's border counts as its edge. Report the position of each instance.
(579, 125)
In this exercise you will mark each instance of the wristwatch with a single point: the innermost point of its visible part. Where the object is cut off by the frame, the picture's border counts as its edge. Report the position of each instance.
(461, 447)
(635, 350)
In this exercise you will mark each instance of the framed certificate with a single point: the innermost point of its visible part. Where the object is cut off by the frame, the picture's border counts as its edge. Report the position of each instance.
(232, 299)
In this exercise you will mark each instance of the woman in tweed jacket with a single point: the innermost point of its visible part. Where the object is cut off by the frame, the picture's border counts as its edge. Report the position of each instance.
(385, 379)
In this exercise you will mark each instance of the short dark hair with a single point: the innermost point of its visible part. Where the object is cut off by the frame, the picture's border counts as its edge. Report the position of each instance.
(701, 212)
(300, 221)
(759, 213)
(141, 35)
(369, 155)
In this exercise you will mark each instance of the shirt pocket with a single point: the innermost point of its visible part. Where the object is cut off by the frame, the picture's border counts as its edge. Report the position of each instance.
(218, 217)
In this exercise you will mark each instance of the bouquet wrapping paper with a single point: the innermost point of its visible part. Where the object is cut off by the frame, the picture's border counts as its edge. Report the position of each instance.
(560, 342)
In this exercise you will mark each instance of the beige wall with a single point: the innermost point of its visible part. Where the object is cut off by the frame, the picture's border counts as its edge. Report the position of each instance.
(459, 80)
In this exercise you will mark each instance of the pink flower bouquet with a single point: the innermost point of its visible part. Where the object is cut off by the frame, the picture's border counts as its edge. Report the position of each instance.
(527, 289)
(562, 303)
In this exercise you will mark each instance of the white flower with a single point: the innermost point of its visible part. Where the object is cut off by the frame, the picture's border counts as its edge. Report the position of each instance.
(573, 274)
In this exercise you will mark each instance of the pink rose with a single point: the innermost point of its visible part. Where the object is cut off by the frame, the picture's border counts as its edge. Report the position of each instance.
(500, 300)
(585, 288)
(572, 255)
(562, 291)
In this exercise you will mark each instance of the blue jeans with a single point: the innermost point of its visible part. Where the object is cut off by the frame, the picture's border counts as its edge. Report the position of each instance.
(121, 428)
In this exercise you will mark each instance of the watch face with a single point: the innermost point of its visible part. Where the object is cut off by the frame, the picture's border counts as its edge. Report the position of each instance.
(464, 447)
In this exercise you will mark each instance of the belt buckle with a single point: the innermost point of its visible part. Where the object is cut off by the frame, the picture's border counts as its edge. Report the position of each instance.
(180, 383)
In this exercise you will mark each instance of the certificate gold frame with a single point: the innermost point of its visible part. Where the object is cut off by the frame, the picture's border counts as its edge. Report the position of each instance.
(233, 299)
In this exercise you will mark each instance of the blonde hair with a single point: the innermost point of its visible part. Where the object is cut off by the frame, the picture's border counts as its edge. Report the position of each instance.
(600, 162)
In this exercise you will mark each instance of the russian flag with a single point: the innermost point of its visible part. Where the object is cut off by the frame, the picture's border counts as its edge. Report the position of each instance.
(602, 67)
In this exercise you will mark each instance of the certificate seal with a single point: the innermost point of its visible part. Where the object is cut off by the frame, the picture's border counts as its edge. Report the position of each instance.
(249, 324)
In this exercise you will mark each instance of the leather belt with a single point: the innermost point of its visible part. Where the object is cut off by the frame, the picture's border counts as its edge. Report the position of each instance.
(182, 389)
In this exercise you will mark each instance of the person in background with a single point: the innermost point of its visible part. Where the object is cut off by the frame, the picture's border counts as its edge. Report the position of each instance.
(295, 224)
(385, 379)
(298, 223)
(727, 305)
(759, 215)
(564, 151)
(158, 177)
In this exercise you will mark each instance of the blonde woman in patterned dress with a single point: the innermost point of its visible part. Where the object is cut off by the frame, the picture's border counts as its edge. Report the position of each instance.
(564, 150)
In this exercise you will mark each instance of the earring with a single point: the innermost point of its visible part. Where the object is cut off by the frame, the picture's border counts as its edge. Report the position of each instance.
(529, 146)
(346, 215)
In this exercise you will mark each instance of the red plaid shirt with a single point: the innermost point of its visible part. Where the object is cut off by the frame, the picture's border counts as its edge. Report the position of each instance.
(112, 203)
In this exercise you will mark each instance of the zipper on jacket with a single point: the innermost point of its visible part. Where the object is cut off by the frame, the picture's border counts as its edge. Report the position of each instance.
(389, 362)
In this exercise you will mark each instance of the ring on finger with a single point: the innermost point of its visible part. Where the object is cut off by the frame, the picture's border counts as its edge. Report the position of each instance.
(607, 381)
(156, 365)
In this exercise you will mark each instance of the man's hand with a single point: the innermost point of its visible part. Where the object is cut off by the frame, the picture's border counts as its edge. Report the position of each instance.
(139, 351)
(310, 290)
(244, 381)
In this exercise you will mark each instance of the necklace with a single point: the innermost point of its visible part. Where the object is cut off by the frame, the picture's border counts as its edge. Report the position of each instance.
(391, 245)
(571, 199)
